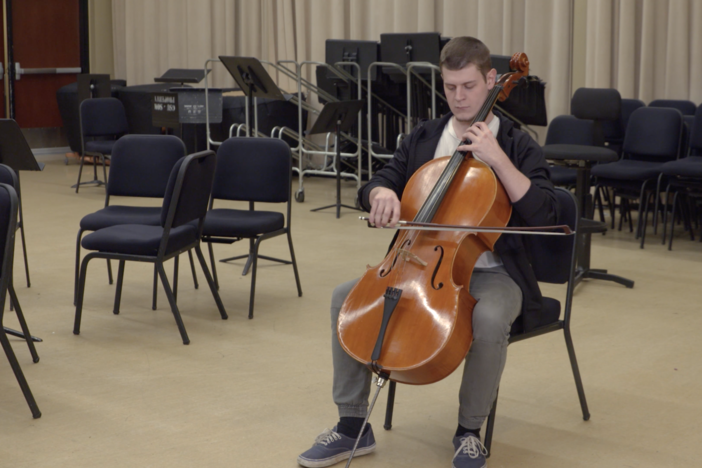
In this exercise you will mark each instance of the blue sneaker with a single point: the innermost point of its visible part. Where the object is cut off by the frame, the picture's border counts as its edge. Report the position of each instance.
(330, 448)
(470, 452)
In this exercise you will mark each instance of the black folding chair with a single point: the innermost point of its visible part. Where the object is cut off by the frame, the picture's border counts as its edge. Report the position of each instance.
(685, 176)
(653, 137)
(9, 177)
(252, 170)
(182, 216)
(140, 167)
(684, 106)
(102, 122)
(8, 226)
(568, 130)
(554, 263)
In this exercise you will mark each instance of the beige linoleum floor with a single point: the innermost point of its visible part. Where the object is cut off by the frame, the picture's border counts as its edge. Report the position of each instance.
(255, 393)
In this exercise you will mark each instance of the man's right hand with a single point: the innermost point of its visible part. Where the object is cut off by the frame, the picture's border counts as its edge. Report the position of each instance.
(385, 207)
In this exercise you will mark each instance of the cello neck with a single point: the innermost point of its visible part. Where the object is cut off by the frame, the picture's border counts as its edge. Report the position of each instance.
(431, 205)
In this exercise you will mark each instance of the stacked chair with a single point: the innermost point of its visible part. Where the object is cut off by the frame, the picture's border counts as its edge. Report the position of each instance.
(8, 226)
(179, 230)
(140, 167)
(685, 180)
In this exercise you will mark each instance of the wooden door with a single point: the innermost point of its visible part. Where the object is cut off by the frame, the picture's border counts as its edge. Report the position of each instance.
(47, 50)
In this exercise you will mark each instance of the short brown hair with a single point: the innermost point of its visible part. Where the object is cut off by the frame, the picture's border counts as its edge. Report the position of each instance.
(462, 51)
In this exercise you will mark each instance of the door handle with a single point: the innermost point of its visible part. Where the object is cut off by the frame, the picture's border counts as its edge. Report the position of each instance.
(19, 71)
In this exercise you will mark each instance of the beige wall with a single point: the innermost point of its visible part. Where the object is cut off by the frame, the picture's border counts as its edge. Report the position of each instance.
(101, 54)
(579, 44)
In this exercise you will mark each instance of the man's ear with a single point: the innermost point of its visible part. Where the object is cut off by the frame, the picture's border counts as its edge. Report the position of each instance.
(491, 78)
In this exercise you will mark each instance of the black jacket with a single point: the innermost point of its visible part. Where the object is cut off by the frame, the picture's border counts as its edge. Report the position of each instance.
(538, 207)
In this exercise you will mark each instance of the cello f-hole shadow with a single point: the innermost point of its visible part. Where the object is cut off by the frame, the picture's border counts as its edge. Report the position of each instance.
(438, 264)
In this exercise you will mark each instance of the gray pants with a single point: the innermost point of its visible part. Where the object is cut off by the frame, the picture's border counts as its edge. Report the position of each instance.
(499, 304)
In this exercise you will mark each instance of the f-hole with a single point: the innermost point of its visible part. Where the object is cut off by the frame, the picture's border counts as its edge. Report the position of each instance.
(436, 270)
(384, 273)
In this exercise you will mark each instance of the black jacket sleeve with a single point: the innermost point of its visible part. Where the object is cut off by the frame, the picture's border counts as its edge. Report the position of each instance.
(394, 174)
(538, 207)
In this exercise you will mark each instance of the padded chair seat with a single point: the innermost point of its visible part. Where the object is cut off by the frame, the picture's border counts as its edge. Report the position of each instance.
(100, 146)
(690, 166)
(116, 215)
(628, 169)
(137, 239)
(550, 313)
(562, 152)
(563, 175)
(241, 223)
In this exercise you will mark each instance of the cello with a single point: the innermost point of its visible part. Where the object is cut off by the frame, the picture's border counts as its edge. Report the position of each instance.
(409, 319)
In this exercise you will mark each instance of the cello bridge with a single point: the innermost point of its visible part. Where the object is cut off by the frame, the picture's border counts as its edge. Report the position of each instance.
(410, 257)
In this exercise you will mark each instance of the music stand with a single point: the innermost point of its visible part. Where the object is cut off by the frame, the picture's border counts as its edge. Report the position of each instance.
(254, 81)
(337, 117)
(182, 76)
(15, 153)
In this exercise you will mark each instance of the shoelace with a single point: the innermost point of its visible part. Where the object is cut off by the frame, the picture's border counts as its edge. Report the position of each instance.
(327, 437)
(471, 446)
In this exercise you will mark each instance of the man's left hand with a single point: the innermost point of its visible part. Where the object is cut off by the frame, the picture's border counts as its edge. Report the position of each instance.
(483, 145)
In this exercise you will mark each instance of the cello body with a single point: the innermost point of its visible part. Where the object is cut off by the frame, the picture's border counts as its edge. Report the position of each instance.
(430, 331)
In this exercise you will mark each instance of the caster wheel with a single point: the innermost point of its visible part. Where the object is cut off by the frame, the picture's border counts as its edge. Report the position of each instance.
(300, 196)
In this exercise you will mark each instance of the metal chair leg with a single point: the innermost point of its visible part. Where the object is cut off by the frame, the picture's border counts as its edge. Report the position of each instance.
(211, 283)
(23, 323)
(24, 243)
(80, 171)
(192, 268)
(294, 265)
(576, 374)
(176, 261)
(490, 427)
(19, 375)
(109, 271)
(212, 262)
(390, 406)
(118, 289)
(171, 300)
(155, 293)
(75, 281)
(673, 215)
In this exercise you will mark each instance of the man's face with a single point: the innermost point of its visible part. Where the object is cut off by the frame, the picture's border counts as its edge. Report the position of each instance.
(466, 90)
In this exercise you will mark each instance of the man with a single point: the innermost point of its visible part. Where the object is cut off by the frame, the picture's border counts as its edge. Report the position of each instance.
(502, 282)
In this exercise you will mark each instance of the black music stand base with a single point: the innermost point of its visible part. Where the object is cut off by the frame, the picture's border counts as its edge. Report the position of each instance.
(596, 273)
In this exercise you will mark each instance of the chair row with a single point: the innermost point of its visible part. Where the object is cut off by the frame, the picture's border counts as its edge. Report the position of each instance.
(657, 147)
(244, 169)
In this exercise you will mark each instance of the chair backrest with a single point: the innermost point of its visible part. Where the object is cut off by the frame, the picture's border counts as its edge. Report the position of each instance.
(8, 176)
(103, 117)
(598, 104)
(695, 140)
(552, 257)
(685, 107)
(253, 169)
(8, 226)
(569, 130)
(654, 133)
(614, 131)
(188, 190)
(141, 165)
